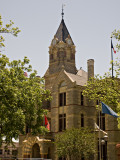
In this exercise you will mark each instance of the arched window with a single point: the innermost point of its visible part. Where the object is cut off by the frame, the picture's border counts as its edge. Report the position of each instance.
(63, 84)
(35, 151)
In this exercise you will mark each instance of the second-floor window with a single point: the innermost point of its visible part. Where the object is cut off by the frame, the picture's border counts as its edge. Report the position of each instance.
(62, 99)
(62, 122)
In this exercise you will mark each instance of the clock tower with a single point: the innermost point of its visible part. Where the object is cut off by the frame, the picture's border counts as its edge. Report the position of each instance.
(62, 51)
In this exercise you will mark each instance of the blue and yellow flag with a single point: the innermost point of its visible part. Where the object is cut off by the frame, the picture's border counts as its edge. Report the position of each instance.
(108, 110)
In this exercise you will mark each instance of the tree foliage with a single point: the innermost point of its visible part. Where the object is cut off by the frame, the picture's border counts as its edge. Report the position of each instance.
(116, 35)
(20, 99)
(104, 89)
(8, 28)
(75, 143)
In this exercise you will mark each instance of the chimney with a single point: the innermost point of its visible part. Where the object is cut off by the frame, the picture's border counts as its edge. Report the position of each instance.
(90, 67)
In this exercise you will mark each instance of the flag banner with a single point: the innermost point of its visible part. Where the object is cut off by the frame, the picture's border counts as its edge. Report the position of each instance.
(108, 110)
(47, 124)
(46, 121)
(97, 128)
(113, 47)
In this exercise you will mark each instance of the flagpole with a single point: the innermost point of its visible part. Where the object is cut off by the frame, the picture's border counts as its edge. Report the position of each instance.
(99, 132)
(112, 57)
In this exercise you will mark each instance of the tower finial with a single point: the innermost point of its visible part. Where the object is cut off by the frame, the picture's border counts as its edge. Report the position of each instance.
(62, 10)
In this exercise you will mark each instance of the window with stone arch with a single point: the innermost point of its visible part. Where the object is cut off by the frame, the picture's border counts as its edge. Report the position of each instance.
(62, 84)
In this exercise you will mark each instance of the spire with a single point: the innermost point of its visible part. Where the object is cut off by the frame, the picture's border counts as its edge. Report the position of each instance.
(62, 32)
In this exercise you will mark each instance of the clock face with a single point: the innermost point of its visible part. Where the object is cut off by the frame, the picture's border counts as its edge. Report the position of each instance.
(54, 42)
(69, 41)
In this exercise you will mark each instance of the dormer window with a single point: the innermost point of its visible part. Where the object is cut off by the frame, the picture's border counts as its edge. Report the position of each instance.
(69, 42)
(54, 42)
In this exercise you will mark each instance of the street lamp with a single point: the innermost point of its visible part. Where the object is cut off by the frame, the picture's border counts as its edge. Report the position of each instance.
(102, 143)
(106, 139)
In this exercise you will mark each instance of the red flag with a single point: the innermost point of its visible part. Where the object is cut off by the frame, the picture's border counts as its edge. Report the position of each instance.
(46, 121)
(47, 124)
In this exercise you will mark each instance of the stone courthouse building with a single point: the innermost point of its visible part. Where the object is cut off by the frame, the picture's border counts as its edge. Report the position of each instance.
(69, 108)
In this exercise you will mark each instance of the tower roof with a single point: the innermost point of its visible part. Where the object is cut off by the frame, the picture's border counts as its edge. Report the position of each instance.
(62, 32)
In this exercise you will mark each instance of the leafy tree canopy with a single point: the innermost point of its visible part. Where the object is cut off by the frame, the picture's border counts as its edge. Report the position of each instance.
(21, 97)
(74, 143)
(8, 28)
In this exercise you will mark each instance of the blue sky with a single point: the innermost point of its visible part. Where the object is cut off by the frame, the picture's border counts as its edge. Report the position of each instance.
(90, 24)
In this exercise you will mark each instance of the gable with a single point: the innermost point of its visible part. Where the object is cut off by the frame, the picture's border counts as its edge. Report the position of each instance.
(69, 79)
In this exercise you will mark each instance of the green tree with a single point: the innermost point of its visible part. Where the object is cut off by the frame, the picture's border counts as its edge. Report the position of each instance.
(104, 89)
(75, 143)
(7, 29)
(20, 99)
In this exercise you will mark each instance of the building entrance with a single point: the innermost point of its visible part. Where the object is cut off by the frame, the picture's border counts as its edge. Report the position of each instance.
(36, 151)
